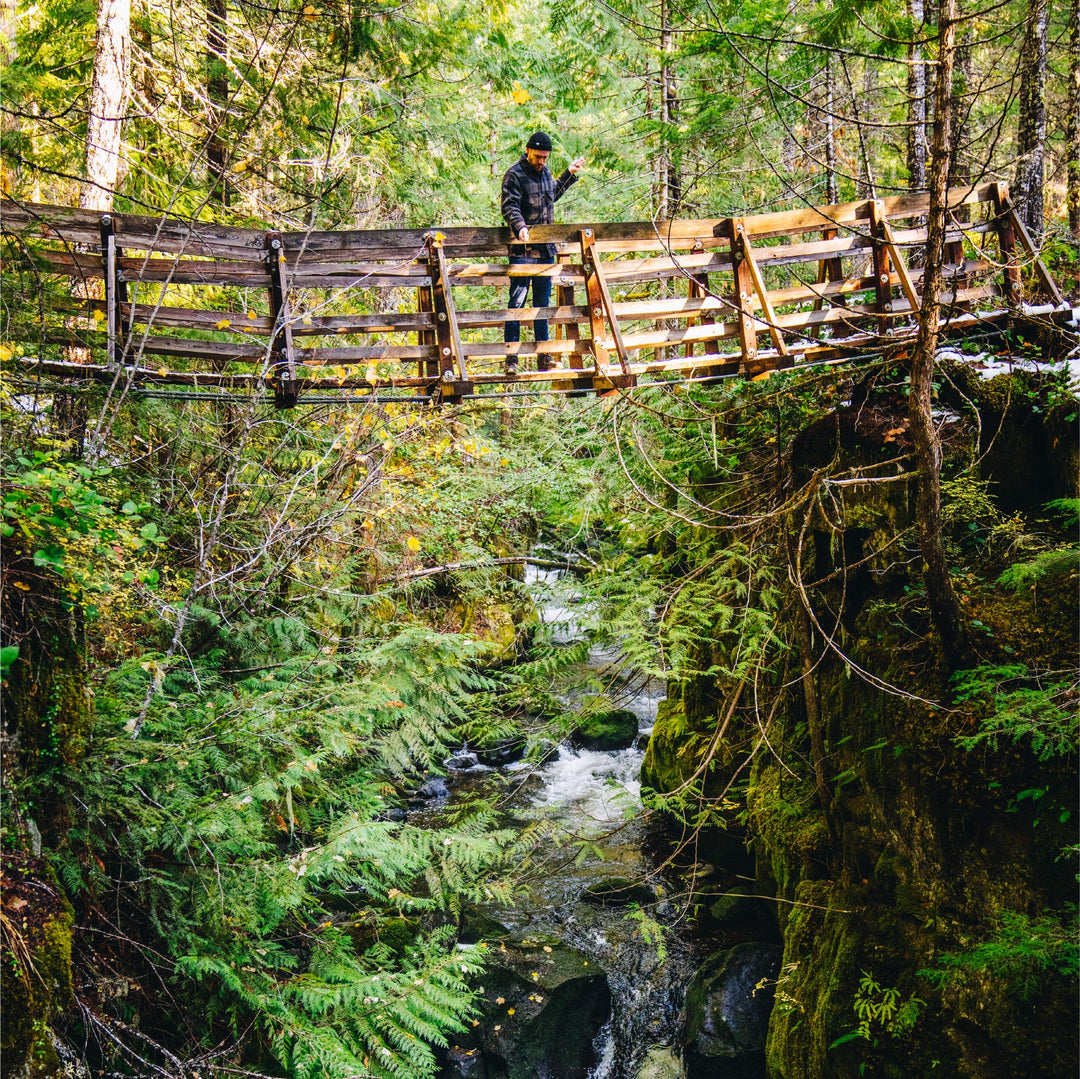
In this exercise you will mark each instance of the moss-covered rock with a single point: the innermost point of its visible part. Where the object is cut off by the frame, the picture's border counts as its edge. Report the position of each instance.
(615, 729)
(35, 966)
(726, 1012)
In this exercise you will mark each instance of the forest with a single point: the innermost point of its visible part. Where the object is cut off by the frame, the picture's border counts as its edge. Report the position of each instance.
(718, 727)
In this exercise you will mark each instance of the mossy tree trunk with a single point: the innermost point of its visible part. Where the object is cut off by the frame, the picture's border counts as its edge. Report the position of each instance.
(944, 607)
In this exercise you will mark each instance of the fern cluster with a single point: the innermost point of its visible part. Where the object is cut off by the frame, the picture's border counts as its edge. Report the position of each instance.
(243, 842)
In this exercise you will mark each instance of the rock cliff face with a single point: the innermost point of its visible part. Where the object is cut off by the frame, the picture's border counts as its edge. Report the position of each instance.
(922, 889)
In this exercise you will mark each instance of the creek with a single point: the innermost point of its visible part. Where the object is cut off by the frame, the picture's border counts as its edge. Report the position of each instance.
(594, 957)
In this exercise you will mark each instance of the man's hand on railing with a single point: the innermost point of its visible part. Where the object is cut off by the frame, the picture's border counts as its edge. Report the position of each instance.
(523, 234)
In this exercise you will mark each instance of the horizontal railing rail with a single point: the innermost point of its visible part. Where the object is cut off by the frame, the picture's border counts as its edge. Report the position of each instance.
(421, 309)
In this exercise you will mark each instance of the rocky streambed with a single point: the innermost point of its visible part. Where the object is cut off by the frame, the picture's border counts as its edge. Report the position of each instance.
(609, 966)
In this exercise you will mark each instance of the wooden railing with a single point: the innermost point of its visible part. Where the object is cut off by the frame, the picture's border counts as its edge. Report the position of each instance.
(418, 311)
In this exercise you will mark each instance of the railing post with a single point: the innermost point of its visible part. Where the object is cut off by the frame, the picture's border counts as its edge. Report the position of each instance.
(595, 302)
(744, 285)
(428, 368)
(882, 275)
(451, 357)
(1010, 284)
(830, 270)
(282, 354)
(564, 297)
(115, 292)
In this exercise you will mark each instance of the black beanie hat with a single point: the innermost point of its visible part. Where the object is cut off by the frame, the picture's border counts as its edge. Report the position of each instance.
(538, 141)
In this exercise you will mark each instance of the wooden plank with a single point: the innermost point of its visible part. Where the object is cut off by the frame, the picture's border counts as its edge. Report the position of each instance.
(166, 270)
(208, 238)
(762, 293)
(365, 353)
(900, 266)
(134, 231)
(594, 302)
(555, 347)
(593, 260)
(362, 281)
(137, 345)
(568, 316)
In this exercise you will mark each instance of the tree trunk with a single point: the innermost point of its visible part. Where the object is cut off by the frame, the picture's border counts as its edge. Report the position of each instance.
(1031, 134)
(108, 96)
(669, 187)
(916, 91)
(1072, 126)
(944, 608)
(217, 93)
(832, 190)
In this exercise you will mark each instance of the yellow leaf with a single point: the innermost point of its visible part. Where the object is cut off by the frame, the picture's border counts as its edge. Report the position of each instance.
(21, 585)
(99, 316)
(241, 165)
(413, 543)
(163, 371)
(251, 314)
(224, 324)
(520, 95)
(5, 353)
(368, 525)
(310, 12)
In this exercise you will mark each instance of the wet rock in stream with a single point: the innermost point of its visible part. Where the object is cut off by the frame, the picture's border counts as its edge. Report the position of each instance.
(543, 1005)
(726, 1015)
(616, 729)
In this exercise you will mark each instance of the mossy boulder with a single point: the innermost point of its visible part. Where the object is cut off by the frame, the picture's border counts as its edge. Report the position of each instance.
(620, 892)
(615, 729)
(725, 1015)
(35, 967)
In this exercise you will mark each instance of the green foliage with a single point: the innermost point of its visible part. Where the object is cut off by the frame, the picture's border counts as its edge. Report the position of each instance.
(1023, 951)
(72, 520)
(1020, 706)
(881, 1010)
(652, 931)
(1046, 564)
(247, 821)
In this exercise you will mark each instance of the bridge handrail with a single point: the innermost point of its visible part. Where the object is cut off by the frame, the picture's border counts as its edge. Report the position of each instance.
(723, 260)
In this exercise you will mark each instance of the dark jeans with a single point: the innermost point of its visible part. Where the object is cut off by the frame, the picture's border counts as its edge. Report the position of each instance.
(541, 297)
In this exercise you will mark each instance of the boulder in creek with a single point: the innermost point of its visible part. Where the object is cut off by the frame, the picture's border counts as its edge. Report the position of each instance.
(660, 1062)
(616, 729)
(542, 1007)
(725, 1015)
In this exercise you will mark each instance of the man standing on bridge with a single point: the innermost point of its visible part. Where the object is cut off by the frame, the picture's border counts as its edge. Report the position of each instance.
(529, 194)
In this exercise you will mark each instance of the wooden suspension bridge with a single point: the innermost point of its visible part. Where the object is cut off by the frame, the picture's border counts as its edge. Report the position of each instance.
(158, 301)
